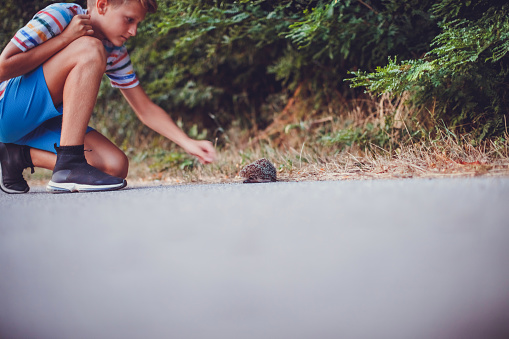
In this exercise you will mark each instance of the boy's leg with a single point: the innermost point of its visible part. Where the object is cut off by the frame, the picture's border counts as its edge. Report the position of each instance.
(73, 77)
(105, 155)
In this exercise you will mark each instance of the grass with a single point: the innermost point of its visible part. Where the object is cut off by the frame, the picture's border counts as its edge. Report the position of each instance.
(369, 138)
(434, 159)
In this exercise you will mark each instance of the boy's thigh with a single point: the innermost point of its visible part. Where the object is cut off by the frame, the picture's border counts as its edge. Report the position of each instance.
(84, 50)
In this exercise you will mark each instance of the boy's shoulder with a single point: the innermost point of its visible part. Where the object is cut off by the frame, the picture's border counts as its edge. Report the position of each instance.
(72, 7)
(68, 10)
(46, 24)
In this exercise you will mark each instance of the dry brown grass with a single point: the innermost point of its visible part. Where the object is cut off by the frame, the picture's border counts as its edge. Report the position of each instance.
(445, 160)
(294, 143)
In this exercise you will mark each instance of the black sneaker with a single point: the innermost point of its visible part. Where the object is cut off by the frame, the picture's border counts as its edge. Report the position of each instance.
(13, 160)
(72, 173)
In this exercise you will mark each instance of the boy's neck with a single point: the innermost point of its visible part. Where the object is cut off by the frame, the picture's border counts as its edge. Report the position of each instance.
(95, 26)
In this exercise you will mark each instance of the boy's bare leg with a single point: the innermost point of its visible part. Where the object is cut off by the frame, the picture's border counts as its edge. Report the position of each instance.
(73, 77)
(43, 159)
(105, 155)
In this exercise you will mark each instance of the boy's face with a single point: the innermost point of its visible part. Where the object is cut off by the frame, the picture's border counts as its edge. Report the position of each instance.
(118, 23)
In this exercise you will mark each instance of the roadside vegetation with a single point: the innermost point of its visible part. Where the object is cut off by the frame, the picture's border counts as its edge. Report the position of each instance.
(363, 141)
(327, 90)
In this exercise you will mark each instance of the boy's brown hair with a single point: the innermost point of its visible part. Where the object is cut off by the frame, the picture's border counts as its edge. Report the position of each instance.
(149, 5)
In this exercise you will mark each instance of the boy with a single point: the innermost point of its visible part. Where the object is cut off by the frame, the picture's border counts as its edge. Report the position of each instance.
(50, 74)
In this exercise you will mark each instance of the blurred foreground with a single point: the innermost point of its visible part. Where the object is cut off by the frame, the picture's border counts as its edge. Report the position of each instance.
(365, 259)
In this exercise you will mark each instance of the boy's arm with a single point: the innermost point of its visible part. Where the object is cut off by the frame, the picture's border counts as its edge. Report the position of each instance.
(14, 62)
(157, 119)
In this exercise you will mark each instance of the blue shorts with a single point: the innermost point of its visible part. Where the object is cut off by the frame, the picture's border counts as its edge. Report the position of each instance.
(27, 114)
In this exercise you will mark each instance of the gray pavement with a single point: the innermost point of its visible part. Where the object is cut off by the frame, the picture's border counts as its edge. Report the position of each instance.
(405, 259)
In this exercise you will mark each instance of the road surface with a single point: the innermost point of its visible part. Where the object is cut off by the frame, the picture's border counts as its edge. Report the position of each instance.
(352, 259)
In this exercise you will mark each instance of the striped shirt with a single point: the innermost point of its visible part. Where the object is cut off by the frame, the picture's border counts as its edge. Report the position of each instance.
(52, 21)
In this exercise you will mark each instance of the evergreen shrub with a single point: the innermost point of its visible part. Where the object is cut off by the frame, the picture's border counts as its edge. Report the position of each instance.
(463, 80)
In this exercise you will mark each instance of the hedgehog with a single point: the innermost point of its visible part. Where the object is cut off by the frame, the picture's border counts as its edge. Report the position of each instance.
(261, 170)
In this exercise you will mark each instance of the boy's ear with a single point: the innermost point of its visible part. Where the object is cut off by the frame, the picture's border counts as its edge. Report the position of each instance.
(101, 6)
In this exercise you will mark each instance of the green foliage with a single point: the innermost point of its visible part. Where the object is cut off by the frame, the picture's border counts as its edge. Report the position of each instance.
(463, 79)
(363, 137)
(352, 34)
(163, 160)
(236, 59)
(210, 57)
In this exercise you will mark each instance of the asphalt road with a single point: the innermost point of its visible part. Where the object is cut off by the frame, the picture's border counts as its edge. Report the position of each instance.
(405, 259)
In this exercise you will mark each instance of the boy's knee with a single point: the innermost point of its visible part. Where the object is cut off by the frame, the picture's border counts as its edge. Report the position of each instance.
(90, 50)
(118, 165)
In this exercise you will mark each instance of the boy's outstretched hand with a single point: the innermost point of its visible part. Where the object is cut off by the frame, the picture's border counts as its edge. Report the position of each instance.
(202, 149)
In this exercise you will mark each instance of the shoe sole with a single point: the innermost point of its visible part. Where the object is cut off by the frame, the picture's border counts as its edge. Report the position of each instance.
(8, 190)
(55, 187)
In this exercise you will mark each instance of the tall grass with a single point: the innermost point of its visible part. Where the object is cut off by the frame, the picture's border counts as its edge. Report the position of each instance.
(364, 138)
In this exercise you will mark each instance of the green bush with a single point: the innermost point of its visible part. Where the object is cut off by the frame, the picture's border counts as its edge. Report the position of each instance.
(240, 59)
(463, 80)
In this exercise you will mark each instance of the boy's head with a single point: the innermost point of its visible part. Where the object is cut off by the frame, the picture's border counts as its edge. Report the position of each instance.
(117, 20)
(149, 5)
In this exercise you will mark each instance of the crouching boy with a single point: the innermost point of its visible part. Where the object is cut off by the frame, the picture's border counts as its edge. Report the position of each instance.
(50, 73)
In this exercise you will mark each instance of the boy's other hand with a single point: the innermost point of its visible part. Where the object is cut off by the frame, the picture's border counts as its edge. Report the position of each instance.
(202, 149)
(80, 25)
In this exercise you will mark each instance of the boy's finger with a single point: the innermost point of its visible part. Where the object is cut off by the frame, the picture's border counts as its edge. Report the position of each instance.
(205, 159)
(81, 17)
(208, 158)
